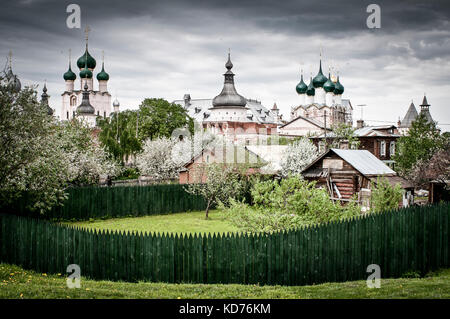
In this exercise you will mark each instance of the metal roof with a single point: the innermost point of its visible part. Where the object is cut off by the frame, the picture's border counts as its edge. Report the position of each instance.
(410, 116)
(197, 108)
(367, 131)
(364, 162)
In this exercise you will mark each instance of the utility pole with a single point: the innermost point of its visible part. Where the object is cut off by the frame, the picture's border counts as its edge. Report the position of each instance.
(137, 123)
(325, 125)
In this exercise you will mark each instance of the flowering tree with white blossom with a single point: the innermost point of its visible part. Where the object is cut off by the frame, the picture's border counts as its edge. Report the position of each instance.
(297, 156)
(40, 156)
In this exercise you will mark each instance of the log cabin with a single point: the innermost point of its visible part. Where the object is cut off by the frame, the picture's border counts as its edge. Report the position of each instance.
(344, 173)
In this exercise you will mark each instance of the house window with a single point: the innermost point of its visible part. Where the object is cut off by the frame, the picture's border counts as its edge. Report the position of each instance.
(67, 114)
(104, 115)
(382, 148)
(392, 148)
(321, 146)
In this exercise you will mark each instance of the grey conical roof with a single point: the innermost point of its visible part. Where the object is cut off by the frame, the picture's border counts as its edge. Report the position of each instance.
(229, 96)
(425, 110)
(424, 102)
(85, 107)
(410, 116)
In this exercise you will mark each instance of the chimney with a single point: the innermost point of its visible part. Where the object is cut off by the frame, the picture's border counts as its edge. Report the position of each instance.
(359, 123)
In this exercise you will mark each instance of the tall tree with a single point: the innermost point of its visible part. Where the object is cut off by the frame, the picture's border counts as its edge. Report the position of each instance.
(159, 118)
(344, 133)
(118, 135)
(41, 156)
(421, 142)
(297, 156)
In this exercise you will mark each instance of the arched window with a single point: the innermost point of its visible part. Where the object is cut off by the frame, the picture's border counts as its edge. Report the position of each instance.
(73, 100)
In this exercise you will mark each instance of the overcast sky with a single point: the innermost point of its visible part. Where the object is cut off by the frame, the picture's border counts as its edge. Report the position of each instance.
(169, 48)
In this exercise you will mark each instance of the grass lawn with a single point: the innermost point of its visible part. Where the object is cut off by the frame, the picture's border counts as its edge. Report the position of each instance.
(18, 283)
(192, 222)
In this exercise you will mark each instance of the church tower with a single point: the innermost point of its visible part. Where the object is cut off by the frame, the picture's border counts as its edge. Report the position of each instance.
(230, 116)
(99, 99)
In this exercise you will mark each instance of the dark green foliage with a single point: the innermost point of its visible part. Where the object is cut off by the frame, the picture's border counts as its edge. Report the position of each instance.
(385, 196)
(84, 203)
(159, 118)
(123, 134)
(118, 135)
(410, 240)
(128, 173)
(421, 142)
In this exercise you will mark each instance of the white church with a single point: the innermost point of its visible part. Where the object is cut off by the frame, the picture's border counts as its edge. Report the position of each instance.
(320, 106)
(99, 99)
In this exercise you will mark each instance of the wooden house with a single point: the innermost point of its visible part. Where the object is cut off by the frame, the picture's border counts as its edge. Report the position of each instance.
(379, 140)
(344, 173)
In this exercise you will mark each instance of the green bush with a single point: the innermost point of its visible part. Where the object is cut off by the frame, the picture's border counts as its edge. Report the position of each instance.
(385, 196)
(129, 173)
(292, 202)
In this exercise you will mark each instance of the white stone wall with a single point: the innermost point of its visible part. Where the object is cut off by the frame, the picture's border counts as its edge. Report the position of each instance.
(319, 96)
(100, 101)
(227, 114)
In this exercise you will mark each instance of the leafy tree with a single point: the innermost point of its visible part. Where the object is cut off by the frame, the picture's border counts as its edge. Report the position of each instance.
(216, 183)
(29, 157)
(281, 205)
(118, 135)
(40, 156)
(436, 168)
(159, 118)
(298, 155)
(344, 133)
(422, 141)
(156, 159)
(384, 196)
(87, 161)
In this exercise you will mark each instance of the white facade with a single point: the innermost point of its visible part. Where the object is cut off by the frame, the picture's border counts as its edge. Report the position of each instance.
(99, 99)
(232, 114)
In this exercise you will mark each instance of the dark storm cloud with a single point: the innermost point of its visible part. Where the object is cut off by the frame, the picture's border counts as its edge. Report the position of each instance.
(299, 17)
(164, 48)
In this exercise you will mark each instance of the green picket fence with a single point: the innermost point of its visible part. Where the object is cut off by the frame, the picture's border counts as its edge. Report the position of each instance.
(410, 239)
(100, 202)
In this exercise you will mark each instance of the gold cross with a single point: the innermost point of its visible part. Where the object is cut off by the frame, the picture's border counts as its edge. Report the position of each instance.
(86, 31)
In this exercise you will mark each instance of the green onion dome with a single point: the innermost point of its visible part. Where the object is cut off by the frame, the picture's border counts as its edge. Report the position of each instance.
(69, 75)
(103, 76)
(329, 85)
(86, 59)
(301, 87)
(320, 79)
(311, 91)
(86, 73)
(338, 87)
